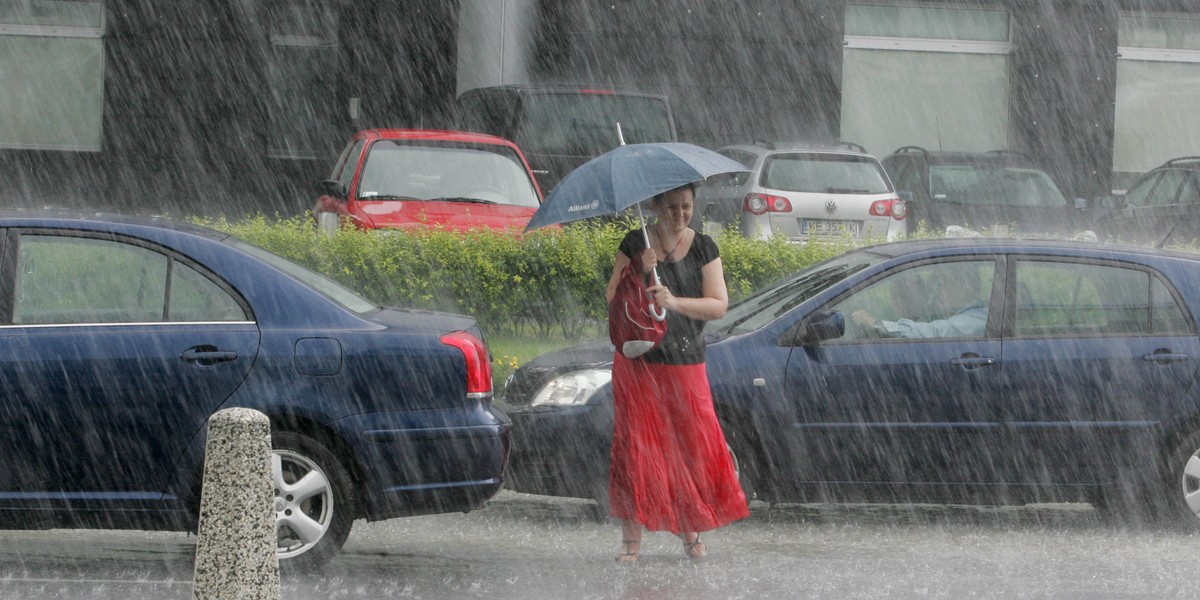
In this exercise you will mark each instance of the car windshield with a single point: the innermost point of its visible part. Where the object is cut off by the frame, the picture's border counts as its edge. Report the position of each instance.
(771, 302)
(583, 124)
(397, 170)
(330, 288)
(994, 185)
(823, 173)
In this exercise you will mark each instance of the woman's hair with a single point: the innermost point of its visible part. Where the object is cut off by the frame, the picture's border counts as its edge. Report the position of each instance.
(660, 196)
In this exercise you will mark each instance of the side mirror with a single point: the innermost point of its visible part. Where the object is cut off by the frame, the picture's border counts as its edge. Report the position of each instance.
(335, 188)
(816, 328)
(905, 195)
(1109, 203)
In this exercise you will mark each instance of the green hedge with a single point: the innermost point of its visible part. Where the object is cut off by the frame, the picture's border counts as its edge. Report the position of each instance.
(542, 282)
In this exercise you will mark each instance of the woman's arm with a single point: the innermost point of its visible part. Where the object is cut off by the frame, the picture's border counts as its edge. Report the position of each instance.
(710, 306)
(649, 261)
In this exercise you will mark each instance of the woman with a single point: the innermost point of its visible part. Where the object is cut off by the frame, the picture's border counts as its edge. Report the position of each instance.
(671, 470)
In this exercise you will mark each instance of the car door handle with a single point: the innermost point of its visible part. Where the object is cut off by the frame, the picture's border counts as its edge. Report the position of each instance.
(208, 355)
(1164, 357)
(971, 360)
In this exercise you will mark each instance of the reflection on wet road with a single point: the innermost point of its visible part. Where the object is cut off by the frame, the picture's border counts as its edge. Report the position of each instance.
(524, 546)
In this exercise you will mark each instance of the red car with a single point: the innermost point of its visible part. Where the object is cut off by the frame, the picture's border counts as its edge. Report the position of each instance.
(401, 178)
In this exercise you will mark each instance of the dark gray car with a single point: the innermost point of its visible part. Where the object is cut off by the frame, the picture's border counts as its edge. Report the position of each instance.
(997, 192)
(560, 127)
(1160, 207)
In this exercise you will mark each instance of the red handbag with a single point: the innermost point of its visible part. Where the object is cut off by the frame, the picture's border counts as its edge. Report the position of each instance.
(635, 325)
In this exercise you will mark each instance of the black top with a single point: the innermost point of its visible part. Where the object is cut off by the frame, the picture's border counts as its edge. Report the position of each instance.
(684, 342)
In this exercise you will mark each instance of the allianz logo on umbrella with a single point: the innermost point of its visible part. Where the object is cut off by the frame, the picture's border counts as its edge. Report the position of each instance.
(578, 207)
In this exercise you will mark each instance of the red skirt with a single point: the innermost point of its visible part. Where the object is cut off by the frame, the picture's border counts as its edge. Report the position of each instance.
(671, 470)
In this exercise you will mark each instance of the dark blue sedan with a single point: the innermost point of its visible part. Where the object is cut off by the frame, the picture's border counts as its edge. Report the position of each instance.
(977, 370)
(120, 336)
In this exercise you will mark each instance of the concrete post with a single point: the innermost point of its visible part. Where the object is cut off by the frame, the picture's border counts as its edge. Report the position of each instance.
(236, 552)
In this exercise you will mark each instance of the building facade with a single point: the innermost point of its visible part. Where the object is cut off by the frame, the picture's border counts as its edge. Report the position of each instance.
(218, 107)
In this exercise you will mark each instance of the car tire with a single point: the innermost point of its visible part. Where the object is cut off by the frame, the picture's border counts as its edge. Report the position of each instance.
(1182, 486)
(314, 502)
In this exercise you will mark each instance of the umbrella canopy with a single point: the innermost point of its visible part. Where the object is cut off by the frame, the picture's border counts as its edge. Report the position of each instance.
(626, 175)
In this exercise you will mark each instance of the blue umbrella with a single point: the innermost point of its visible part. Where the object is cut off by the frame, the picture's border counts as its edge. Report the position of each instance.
(625, 176)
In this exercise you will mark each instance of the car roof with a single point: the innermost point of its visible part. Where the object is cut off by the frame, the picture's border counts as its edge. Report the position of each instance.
(1008, 245)
(436, 135)
(764, 147)
(959, 157)
(100, 221)
(1182, 162)
(564, 88)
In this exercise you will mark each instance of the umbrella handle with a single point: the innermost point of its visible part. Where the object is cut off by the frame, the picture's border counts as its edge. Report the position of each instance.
(659, 314)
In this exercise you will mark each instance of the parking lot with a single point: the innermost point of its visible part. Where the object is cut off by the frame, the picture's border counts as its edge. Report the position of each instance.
(523, 546)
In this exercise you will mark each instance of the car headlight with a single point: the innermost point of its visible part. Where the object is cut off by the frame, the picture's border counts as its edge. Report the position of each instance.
(572, 389)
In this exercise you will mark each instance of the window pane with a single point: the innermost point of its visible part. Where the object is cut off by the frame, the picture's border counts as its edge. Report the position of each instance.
(943, 300)
(1002, 186)
(302, 76)
(1078, 299)
(75, 280)
(1168, 316)
(927, 23)
(1175, 32)
(1167, 190)
(1147, 135)
(823, 173)
(75, 13)
(195, 297)
(894, 98)
(53, 92)
(429, 172)
(1139, 194)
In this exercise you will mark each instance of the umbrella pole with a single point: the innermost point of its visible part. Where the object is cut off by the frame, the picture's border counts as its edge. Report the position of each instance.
(646, 236)
(659, 314)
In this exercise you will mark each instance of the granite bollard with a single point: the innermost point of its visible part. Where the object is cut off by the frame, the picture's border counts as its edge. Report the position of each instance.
(236, 551)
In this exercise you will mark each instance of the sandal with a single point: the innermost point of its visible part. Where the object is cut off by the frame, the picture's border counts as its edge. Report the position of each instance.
(628, 557)
(695, 550)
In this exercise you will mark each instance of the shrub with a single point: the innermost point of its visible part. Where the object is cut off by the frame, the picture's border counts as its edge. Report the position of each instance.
(541, 282)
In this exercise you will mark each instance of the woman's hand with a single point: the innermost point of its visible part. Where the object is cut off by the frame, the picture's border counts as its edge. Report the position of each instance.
(649, 260)
(663, 298)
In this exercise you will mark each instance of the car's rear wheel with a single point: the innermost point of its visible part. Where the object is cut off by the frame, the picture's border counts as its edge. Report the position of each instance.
(314, 503)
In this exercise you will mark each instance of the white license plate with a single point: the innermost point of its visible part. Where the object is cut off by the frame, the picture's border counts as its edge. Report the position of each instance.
(830, 227)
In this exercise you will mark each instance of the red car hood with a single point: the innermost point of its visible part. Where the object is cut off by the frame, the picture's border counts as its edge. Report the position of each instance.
(457, 216)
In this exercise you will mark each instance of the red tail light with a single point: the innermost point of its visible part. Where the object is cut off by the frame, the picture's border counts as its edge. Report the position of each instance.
(479, 367)
(759, 204)
(892, 207)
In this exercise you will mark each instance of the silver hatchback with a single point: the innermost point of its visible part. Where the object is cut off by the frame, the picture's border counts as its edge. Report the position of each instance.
(803, 191)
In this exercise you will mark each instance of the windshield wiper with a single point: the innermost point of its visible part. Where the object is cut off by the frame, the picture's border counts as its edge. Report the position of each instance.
(389, 197)
(465, 199)
(833, 190)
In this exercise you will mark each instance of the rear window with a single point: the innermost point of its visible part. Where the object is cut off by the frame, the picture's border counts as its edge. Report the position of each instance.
(996, 185)
(585, 124)
(827, 173)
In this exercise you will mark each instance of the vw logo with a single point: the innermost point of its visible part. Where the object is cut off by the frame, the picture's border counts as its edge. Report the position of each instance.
(831, 206)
